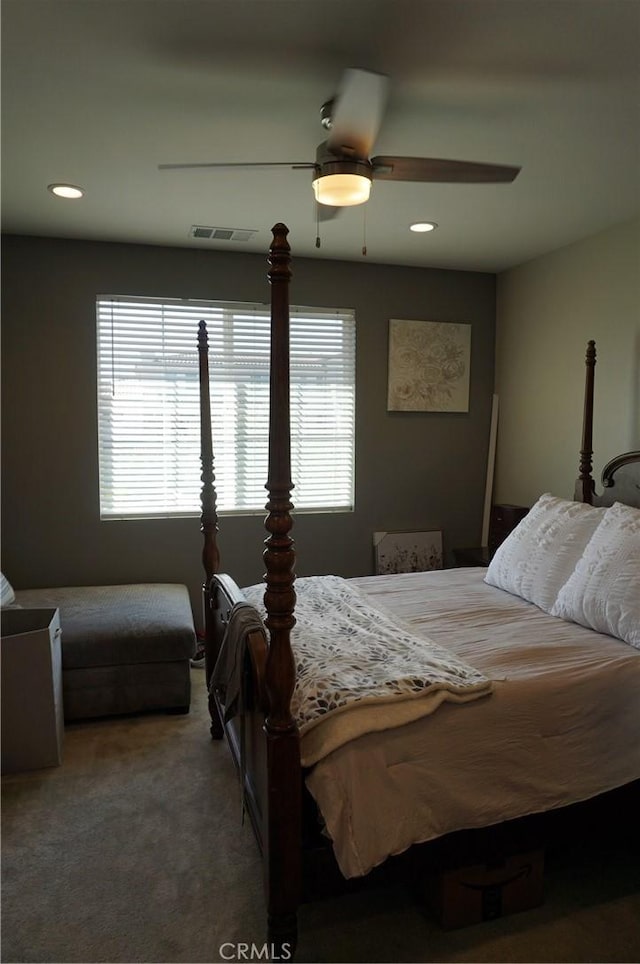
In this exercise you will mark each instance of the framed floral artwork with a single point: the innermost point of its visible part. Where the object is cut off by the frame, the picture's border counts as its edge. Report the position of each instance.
(429, 364)
(406, 551)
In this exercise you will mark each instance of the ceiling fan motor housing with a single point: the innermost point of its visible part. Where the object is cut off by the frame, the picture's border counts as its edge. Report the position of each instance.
(344, 166)
(328, 162)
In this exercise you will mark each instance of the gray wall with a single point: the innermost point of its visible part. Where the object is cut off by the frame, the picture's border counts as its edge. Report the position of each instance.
(413, 470)
(548, 309)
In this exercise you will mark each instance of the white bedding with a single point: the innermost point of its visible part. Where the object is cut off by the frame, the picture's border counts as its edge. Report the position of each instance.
(561, 725)
(358, 669)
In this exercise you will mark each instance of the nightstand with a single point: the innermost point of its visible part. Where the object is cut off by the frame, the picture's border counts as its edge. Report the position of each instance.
(473, 556)
(504, 519)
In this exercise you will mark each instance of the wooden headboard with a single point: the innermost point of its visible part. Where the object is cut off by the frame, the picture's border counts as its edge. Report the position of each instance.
(621, 475)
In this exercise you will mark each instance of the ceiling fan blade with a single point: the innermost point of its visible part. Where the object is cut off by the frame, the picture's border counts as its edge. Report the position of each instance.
(387, 168)
(292, 164)
(357, 112)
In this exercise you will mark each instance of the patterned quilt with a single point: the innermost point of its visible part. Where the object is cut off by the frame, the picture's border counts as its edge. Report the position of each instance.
(349, 653)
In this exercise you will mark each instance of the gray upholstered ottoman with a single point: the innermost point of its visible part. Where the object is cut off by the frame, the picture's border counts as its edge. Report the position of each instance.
(124, 648)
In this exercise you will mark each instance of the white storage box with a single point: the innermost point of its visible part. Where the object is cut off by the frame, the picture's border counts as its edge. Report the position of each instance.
(32, 712)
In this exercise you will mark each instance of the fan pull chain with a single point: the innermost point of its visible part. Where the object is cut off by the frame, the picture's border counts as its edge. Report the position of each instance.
(317, 212)
(364, 230)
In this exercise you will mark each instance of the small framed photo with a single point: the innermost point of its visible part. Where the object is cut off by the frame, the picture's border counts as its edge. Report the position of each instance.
(407, 551)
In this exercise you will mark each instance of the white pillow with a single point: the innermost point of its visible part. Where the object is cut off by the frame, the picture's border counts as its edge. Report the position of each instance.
(539, 555)
(604, 591)
(7, 595)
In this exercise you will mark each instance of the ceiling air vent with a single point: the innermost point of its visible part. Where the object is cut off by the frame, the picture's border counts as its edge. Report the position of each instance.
(221, 234)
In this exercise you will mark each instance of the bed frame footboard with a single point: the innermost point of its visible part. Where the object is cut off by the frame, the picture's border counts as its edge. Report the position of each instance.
(283, 851)
(208, 522)
(264, 739)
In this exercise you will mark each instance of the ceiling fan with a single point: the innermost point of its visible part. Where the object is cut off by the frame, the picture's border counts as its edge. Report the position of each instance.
(343, 170)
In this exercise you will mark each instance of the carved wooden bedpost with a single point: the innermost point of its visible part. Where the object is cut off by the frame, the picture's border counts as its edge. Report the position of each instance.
(282, 846)
(585, 486)
(208, 518)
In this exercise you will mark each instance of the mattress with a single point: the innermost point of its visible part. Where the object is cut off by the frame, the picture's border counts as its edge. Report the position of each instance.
(560, 726)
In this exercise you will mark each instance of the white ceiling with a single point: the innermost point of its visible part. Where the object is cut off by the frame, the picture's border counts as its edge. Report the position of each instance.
(99, 92)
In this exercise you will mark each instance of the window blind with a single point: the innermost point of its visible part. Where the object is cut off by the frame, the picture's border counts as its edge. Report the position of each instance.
(149, 416)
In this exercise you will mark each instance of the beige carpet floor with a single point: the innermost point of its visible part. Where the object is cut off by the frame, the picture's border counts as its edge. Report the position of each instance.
(133, 851)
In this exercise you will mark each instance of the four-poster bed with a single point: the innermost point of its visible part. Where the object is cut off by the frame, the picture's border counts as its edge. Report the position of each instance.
(284, 764)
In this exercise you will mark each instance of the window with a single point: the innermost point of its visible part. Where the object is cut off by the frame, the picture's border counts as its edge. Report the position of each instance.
(148, 406)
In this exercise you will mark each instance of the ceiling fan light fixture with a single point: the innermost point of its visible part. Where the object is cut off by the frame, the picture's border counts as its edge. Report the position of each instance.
(420, 227)
(342, 190)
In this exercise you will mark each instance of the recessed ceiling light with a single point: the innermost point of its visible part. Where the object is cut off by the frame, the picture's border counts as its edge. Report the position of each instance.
(421, 226)
(66, 190)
